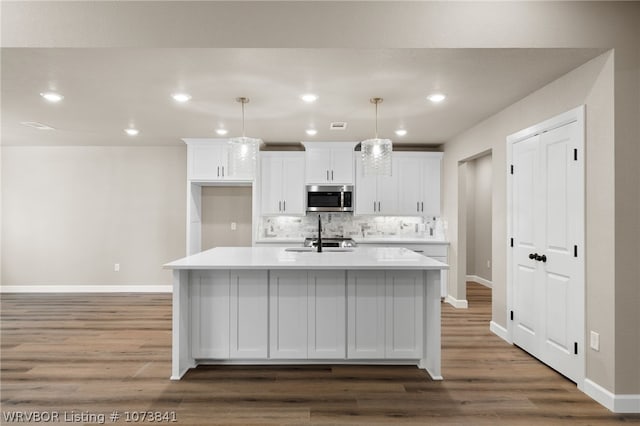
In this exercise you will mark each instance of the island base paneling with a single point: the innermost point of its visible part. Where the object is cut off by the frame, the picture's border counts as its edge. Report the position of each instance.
(306, 316)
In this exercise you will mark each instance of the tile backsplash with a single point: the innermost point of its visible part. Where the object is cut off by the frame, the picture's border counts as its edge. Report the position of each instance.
(348, 225)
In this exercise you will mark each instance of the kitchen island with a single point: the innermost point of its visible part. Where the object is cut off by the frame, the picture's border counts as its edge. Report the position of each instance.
(271, 305)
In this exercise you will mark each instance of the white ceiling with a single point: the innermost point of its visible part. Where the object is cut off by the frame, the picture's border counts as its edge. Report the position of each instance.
(107, 90)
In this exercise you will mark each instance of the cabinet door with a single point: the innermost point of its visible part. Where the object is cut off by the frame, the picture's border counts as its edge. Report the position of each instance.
(288, 314)
(318, 166)
(410, 185)
(431, 179)
(403, 312)
(365, 314)
(206, 162)
(366, 192)
(293, 188)
(388, 194)
(341, 172)
(210, 314)
(271, 185)
(249, 314)
(327, 314)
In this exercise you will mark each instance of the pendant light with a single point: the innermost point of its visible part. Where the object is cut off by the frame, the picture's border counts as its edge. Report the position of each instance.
(376, 152)
(243, 150)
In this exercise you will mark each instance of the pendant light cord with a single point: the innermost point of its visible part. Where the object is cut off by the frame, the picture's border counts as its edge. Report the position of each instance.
(376, 120)
(242, 118)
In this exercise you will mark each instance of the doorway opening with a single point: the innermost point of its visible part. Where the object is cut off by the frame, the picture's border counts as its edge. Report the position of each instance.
(475, 261)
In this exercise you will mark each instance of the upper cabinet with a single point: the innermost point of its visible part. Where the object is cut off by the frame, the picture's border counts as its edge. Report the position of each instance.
(413, 189)
(208, 160)
(329, 163)
(282, 183)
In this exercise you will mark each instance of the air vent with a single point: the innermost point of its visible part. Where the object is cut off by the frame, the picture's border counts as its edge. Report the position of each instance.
(36, 125)
(338, 125)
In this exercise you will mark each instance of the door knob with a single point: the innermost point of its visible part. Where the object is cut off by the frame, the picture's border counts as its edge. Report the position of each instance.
(533, 256)
(542, 258)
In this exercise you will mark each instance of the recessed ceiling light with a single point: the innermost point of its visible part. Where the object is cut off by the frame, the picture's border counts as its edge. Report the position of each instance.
(436, 97)
(309, 97)
(311, 132)
(401, 132)
(222, 132)
(52, 96)
(36, 125)
(132, 132)
(181, 97)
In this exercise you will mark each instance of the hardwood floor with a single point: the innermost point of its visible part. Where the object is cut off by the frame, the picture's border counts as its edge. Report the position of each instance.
(99, 353)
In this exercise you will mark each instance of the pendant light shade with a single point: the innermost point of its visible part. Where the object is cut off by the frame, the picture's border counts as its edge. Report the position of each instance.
(376, 152)
(243, 150)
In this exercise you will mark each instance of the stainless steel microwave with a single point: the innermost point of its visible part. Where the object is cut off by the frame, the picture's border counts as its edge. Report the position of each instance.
(329, 198)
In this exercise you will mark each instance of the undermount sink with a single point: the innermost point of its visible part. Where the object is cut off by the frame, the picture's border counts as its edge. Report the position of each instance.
(314, 250)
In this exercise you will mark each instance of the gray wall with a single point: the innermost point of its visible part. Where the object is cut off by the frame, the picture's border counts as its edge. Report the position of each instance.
(70, 213)
(222, 205)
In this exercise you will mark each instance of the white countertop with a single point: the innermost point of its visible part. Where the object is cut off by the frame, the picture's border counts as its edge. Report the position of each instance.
(358, 240)
(382, 258)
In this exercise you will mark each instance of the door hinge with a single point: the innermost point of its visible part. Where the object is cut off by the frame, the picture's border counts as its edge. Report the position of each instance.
(511, 315)
(575, 154)
(575, 251)
(575, 348)
(512, 169)
(511, 242)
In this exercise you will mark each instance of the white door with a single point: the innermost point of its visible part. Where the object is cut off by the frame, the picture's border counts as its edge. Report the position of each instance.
(410, 196)
(365, 314)
(271, 185)
(318, 166)
(547, 219)
(366, 191)
(327, 315)
(431, 185)
(388, 193)
(288, 314)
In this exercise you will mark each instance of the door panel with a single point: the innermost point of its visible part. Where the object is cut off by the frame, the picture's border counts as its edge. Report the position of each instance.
(327, 315)
(404, 296)
(366, 318)
(249, 307)
(288, 314)
(210, 314)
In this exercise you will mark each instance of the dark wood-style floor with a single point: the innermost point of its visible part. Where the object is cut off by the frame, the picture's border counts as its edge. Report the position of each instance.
(90, 353)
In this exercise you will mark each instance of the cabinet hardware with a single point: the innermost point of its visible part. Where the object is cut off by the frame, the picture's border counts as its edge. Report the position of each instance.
(575, 348)
(511, 242)
(575, 154)
(374, 206)
(511, 315)
(327, 174)
(533, 256)
(542, 258)
(284, 205)
(418, 206)
(575, 251)
(222, 171)
(218, 171)
(279, 206)
(422, 205)
(331, 174)
(512, 169)
(378, 205)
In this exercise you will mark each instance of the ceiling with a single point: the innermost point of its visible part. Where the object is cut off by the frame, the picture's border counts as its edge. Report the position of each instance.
(108, 90)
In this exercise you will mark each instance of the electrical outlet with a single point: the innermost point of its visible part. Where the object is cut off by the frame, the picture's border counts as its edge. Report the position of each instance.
(488, 264)
(595, 341)
(234, 226)
(116, 267)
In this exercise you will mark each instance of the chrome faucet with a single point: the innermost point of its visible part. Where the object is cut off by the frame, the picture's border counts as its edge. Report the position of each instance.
(319, 234)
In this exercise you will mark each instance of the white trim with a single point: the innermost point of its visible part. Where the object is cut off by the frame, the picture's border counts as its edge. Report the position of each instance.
(621, 403)
(81, 288)
(499, 331)
(459, 304)
(479, 280)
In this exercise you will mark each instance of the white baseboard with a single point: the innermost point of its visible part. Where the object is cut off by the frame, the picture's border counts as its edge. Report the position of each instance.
(617, 403)
(479, 280)
(499, 331)
(460, 304)
(107, 288)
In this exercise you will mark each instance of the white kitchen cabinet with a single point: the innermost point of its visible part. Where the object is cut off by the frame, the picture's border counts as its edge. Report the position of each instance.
(326, 314)
(365, 314)
(376, 194)
(248, 311)
(418, 183)
(281, 183)
(385, 314)
(329, 163)
(208, 161)
(288, 314)
(403, 314)
(210, 314)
